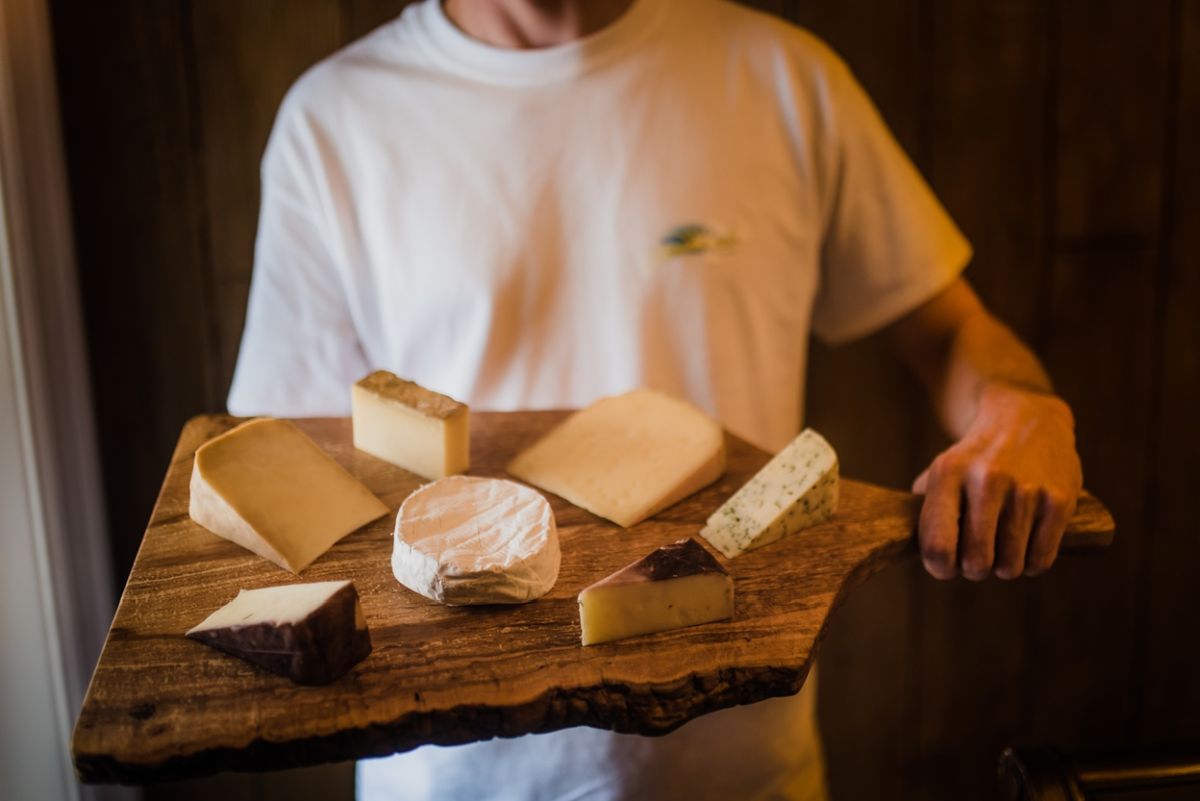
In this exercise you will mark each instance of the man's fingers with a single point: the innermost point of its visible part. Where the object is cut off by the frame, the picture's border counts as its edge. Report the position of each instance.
(1016, 526)
(921, 482)
(1054, 513)
(986, 493)
(938, 527)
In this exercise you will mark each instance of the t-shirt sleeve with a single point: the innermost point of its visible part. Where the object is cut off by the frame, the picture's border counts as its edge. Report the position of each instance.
(888, 244)
(300, 351)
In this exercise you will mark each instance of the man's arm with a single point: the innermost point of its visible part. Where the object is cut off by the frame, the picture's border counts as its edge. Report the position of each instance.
(1012, 477)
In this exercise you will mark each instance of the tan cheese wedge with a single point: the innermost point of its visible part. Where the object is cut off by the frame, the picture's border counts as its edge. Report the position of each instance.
(627, 457)
(272, 490)
(403, 423)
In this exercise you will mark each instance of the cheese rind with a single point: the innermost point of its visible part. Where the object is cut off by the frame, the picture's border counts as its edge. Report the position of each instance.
(464, 540)
(401, 422)
(269, 488)
(675, 586)
(311, 633)
(798, 488)
(627, 457)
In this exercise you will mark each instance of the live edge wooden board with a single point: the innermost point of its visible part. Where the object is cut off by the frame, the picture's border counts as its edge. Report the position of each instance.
(162, 707)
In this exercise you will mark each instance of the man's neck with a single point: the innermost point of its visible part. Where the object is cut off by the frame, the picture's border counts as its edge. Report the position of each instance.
(528, 24)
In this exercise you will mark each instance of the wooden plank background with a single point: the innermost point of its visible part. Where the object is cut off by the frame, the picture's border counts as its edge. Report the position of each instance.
(1058, 134)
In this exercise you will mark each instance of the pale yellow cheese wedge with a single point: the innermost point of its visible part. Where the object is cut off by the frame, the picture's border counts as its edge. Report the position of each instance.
(272, 490)
(675, 586)
(627, 457)
(412, 427)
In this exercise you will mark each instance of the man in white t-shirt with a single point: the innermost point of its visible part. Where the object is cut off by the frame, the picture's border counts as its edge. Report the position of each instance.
(531, 204)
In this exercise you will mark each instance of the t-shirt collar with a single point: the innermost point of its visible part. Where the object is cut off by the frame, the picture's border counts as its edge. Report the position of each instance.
(489, 63)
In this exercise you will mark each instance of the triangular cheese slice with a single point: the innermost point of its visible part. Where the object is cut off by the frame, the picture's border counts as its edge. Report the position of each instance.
(675, 586)
(311, 633)
(272, 490)
(798, 488)
(627, 457)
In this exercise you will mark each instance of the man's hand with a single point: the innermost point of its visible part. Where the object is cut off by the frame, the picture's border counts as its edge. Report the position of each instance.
(1000, 498)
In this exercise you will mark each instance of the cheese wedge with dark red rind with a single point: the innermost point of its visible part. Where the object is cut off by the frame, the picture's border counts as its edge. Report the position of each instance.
(672, 587)
(310, 633)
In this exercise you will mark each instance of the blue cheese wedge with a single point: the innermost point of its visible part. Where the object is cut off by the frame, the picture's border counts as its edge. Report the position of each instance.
(796, 489)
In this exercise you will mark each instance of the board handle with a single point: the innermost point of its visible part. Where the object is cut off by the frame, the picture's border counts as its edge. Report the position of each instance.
(1091, 527)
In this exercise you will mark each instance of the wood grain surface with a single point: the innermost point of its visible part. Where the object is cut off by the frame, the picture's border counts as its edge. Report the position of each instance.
(161, 706)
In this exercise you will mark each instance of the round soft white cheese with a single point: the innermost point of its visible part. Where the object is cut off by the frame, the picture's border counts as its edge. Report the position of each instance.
(464, 540)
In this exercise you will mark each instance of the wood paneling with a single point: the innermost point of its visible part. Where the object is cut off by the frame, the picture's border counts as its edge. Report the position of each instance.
(139, 232)
(1058, 135)
(1170, 664)
(1099, 345)
(244, 57)
(362, 16)
(1112, 78)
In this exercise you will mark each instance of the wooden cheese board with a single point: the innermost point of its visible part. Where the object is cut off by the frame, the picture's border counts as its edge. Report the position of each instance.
(161, 706)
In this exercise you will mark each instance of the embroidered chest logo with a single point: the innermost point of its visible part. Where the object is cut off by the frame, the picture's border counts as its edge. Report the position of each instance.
(684, 240)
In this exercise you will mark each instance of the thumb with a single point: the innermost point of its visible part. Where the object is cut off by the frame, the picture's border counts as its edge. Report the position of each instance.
(921, 482)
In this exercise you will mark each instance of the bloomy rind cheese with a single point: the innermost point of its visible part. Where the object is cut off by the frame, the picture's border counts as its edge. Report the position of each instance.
(311, 633)
(401, 422)
(627, 457)
(798, 488)
(269, 488)
(675, 586)
(465, 540)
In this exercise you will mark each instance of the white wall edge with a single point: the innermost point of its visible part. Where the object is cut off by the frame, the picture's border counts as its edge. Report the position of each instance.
(48, 372)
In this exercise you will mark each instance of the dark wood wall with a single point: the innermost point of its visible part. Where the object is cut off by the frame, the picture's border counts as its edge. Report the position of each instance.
(1061, 134)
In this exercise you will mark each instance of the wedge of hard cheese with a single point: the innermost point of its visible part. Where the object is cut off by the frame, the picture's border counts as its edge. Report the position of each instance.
(403, 423)
(311, 633)
(627, 457)
(271, 489)
(798, 488)
(675, 586)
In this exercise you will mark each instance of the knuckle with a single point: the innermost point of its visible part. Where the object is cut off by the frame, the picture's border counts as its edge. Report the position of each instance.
(1026, 493)
(989, 477)
(946, 465)
(1058, 500)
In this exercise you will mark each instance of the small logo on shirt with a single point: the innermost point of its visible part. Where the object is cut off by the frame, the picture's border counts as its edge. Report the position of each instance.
(684, 240)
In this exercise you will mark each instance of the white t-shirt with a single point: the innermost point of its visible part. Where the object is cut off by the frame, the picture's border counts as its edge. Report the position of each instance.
(673, 202)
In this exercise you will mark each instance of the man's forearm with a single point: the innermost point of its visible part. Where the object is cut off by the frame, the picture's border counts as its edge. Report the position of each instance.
(960, 351)
(982, 355)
